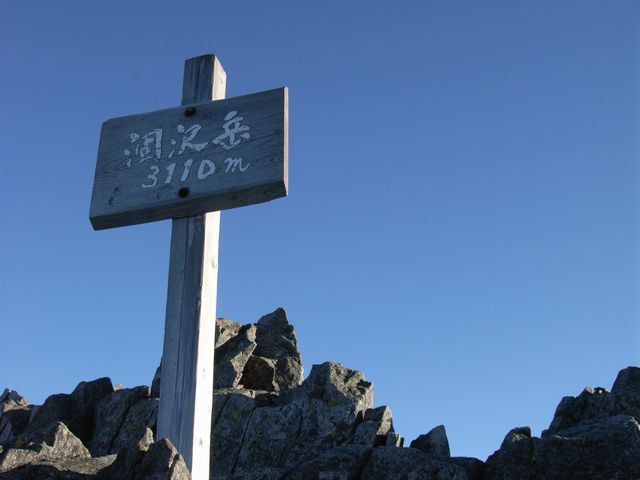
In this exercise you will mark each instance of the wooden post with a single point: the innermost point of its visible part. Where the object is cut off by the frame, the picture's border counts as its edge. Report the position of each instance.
(186, 389)
(242, 159)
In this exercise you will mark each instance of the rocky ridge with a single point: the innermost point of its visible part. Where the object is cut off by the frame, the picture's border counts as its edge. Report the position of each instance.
(270, 424)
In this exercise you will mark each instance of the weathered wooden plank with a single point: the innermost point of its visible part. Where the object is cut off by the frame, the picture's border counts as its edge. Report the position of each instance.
(192, 159)
(186, 388)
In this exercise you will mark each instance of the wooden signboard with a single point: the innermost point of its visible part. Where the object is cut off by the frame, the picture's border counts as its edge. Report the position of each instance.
(187, 163)
(191, 160)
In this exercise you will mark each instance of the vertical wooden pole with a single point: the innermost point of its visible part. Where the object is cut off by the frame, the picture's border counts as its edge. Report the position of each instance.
(186, 388)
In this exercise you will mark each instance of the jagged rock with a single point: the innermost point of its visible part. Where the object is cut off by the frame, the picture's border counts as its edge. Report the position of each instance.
(234, 346)
(147, 461)
(389, 463)
(592, 404)
(145, 441)
(219, 399)
(375, 427)
(232, 356)
(225, 330)
(434, 442)
(155, 384)
(111, 413)
(268, 436)
(228, 431)
(260, 374)
(256, 474)
(627, 383)
(86, 397)
(335, 385)
(597, 403)
(18, 457)
(56, 408)
(162, 462)
(276, 340)
(141, 415)
(128, 459)
(515, 458)
(320, 414)
(11, 397)
(515, 435)
(605, 448)
(52, 443)
(58, 442)
(473, 466)
(76, 410)
(65, 469)
(345, 463)
(394, 440)
(221, 396)
(15, 411)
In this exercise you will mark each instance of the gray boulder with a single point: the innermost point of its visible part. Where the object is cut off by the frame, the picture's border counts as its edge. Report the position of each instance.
(258, 473)
(141, 416)
(598, 403)
(334, 384)
(86, 397)
(515, 435)
(390, 463)
(591, 404)
(56, 408)
(434, 442)
(52, 443)
(128, 459)
(269, 438)
(225, 330)
(64, 469)
(345, 463)
(373, 431)
(264, 356)
(605, 448)
(162, 462)
(627, 383)
(394, 440)
(155, 384)
(76, 410)
(276, 340)
(232, 356)
(315, 417)
(473, 466)
(15, 411)
(260, 374)
(228, 430)
(111, 414)
(147, 461)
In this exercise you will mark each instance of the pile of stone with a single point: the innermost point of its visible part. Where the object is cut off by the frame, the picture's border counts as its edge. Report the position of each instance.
(269, 424)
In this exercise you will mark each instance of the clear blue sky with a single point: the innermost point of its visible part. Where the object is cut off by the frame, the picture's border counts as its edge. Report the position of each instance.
(462, 223)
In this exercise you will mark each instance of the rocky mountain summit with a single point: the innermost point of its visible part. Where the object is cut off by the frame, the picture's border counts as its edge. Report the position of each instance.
(270, 424)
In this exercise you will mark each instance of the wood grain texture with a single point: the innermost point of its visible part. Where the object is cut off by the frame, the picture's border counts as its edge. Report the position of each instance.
(142, 170)
(186, 388)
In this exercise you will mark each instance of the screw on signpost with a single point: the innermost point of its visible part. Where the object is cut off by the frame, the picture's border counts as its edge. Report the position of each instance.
(238, 150)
